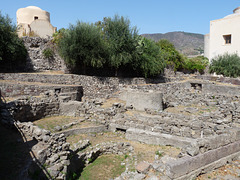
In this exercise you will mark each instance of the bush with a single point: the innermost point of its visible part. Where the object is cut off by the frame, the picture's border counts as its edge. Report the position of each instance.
(48, 53)
(227, 65)
(172, 57)
(122, 41)
(83, 45)
(198, 63)
(57, 36)
(151, 62)
(12, 50)
(110, 47)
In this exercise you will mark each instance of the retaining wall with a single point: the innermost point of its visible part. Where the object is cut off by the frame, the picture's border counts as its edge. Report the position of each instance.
(93, 86)
(16, 88)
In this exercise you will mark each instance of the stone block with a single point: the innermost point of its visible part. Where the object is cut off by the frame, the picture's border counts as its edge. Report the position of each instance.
(143, 100)
(149, 137)
(143, 167)
(185, 165)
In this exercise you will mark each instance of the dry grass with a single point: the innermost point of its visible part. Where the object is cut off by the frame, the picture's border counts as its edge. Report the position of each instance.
(50, 123)
(109, 102)
(143, 152)
(232, 169)
(180, 109)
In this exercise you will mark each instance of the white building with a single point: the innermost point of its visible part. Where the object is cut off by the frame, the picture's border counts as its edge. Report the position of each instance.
(224, 36)
(34, 21)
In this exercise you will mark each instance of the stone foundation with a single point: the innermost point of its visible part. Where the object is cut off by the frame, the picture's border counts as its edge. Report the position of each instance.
(204, 124)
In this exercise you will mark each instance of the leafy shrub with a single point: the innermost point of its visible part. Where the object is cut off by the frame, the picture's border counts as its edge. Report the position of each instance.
(111, 47)
(151, 61)
(122, 41)
(12, 50)
(48, 53)
(227, 65)
(198, 63)
(57, 36)
(172, 57)
(82, 45)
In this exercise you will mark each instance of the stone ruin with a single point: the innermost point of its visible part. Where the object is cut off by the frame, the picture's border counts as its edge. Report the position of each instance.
(36, 60)
(197, 115)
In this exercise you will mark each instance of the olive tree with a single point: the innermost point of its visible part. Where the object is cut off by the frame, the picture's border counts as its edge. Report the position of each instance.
(82, 45)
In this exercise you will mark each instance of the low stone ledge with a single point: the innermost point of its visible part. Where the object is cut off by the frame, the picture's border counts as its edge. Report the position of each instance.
(95, 129)
(113, 127)
(182, 167)
(209, 167)
(158, 138)
(14, 88)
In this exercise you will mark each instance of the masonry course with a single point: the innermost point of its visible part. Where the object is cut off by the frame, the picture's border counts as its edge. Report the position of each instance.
(211, 124)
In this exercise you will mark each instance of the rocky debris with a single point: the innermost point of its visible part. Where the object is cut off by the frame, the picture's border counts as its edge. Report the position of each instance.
(191, 109)
(119, 148)
(131, 175)
(66, 126)
(80, 145)
(143, 167)
(51, 150)
(29, 108)
(36, 60)
(205, 120)
(229, 171)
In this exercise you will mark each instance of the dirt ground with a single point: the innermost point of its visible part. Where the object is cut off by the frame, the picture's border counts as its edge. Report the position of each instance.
(230, 171)
(143, 152)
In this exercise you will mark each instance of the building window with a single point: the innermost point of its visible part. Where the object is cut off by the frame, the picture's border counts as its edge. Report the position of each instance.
(228, 39)
(35, 17)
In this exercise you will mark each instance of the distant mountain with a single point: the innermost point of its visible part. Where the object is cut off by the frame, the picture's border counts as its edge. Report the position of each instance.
(189, 44)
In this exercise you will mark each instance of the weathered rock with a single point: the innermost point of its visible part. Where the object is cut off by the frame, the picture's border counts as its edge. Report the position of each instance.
(143, 167)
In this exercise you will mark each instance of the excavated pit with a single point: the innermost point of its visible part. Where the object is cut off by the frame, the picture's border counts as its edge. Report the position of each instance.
(198, 117)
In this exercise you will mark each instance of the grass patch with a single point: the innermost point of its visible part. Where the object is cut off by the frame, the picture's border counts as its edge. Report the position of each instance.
(104, 167)
(50, 123)
(144, 152)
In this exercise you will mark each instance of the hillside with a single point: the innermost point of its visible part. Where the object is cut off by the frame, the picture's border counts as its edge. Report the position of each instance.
(187, 43)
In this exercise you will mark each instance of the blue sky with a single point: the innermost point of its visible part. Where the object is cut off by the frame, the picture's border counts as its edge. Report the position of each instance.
(152, 16)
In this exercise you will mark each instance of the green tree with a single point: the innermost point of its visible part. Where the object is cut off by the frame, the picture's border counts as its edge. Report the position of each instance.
(12, 50)
(122, 40)
(198, 63)
(151, 60)
(58, 35)
(226, 64)
(111, 45)
(172, 57)
(83, 45)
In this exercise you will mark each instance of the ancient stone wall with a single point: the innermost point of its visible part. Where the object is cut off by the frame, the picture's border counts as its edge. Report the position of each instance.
(14, 88)
(93, 86)
(51, 151)
(235, 81)
(205, 111)
(33, 108)
(36, 60)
